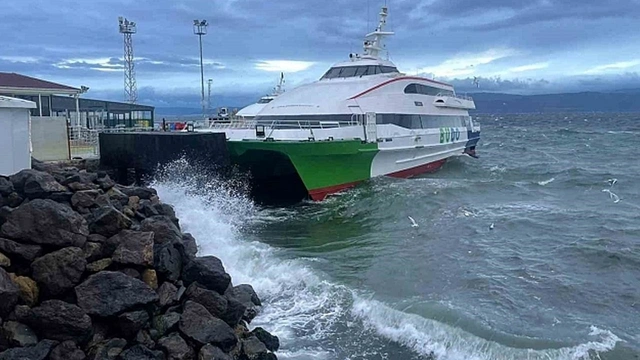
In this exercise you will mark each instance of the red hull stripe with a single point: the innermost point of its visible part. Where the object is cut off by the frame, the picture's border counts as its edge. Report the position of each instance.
(426, 168)
(394, 80)
(320, 194)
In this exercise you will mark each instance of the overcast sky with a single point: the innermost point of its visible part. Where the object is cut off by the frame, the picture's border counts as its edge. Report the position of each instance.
(535, 46)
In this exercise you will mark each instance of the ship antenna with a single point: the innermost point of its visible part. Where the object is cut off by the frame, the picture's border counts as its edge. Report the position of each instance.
(374, 41)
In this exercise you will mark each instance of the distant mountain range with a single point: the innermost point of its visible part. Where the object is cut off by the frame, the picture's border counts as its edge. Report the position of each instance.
(618, 101)
(614, 101)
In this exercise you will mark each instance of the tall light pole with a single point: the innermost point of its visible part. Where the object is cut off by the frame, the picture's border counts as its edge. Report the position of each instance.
(200, 28)
(128, 28)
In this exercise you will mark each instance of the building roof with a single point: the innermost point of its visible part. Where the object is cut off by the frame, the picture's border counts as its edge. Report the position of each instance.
(10, 102)
(13, 81)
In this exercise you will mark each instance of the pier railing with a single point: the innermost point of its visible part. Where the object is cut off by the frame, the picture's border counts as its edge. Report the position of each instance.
(83, 142)
(303, 124)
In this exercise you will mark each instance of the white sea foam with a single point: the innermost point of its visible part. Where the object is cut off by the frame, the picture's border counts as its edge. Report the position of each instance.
(312, 315)
(546, 182)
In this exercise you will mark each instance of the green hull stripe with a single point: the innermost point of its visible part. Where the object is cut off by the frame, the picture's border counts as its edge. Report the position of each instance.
(319, 164)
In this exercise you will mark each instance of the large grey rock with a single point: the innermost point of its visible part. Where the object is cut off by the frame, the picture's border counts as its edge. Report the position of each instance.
(105, 182)
(4, 210)
(117, 197)
(5, 262)
(76, 186)
(13, 200)
(210, 352)
(176, 348)
(108, 293)
(200, 326)
(67, 350)
(37, 352)
(166, 323)
(36, 184)
(235, 312)
(85, 199)
(136, 248)
(99, 265)
(9, 293)
(141, 192)
(59, 271)
(188, 248)
(208, 272)
(29, 290)
(58, 320)
(46, 222)
(108, 221)
(107, 349)
(215, 303)
(141, 352)
(82, 177)
(167, 294)
(166, 232)
(167, 261)
(144, 338)
(24, 251)
(247, 297)
(254, 349)
(272, 342)
(6, 186)
(94, 251)
(17, 334)
(132, 322)
(61, 197)
(245, 294)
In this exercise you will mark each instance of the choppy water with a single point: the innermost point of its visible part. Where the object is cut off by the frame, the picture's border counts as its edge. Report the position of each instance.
(557, 277)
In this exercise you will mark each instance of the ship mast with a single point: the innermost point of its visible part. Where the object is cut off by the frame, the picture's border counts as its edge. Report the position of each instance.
(374, 41)
(279, 89)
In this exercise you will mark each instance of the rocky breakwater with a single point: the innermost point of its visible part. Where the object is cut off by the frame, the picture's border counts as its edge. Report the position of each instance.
(94, 270)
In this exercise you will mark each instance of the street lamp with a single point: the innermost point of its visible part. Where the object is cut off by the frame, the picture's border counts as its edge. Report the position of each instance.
(200, 28)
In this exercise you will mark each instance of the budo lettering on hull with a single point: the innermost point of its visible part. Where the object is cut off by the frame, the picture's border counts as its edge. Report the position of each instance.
(449, 135)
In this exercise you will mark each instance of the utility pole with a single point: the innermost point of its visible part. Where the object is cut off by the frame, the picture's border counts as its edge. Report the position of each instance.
(210, 81)
(128, 28)
(200, 28)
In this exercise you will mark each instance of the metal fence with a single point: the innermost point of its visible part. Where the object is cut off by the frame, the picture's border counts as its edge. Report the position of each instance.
(84, 143)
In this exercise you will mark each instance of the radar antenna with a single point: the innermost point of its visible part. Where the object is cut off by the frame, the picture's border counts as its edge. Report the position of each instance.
(374, 41)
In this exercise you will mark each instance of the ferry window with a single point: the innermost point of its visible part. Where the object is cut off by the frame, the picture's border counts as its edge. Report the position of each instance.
(418, 103)
(348, 71)
(362, 70)
(411, 89)
(264, 101)
(425, 90)
(415, 122)
(351, 71)
(388, 69)
(332, 73)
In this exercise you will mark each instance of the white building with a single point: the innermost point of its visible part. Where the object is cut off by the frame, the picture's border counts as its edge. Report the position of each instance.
(15, 134)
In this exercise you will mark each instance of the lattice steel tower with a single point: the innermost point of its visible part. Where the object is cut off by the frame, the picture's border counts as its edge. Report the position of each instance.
(128, 28)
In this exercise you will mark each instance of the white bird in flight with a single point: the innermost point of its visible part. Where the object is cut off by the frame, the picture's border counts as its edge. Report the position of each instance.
(413, 222)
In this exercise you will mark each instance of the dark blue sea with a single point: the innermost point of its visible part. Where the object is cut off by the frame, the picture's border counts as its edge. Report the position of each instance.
(531, 251)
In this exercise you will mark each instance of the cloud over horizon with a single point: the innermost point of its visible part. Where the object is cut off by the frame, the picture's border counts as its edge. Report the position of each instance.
(519, 47)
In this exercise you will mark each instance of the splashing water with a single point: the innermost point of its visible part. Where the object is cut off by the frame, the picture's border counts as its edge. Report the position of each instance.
(315, 317)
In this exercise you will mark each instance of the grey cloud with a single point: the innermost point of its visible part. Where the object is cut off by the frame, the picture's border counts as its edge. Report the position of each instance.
(243, 32)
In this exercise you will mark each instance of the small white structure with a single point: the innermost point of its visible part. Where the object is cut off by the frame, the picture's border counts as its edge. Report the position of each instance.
(15, 134)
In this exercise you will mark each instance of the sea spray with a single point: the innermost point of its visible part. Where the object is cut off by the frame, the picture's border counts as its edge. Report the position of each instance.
(315, 317)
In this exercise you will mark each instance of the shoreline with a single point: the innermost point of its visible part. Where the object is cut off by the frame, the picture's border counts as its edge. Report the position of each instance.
(97, 270)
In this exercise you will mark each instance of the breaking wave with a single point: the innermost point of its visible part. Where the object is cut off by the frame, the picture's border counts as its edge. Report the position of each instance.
(315, 317)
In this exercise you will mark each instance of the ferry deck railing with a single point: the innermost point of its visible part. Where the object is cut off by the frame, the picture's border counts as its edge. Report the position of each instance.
(356, 119)
(456, 96)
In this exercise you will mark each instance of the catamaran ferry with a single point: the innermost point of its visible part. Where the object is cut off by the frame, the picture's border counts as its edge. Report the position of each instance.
(362, 119)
